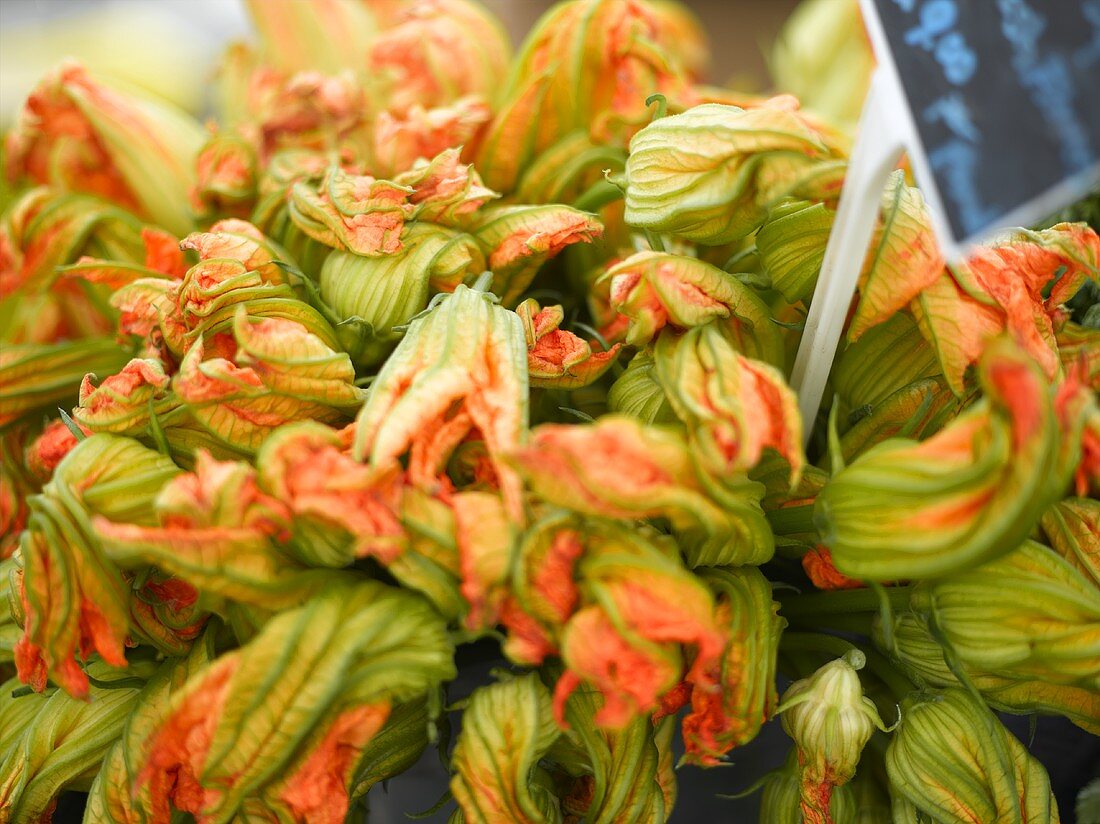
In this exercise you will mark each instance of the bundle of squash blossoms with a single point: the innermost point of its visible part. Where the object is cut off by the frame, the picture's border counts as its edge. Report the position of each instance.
(420, 343)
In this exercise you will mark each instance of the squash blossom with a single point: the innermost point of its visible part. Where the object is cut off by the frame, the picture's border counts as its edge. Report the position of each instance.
(733, 715)
(968, 494)
(1028, 615)
(619, 468)
(460, 369)
(831, 721)
(81, 135)
(497, 775)
(952, 760)
(72, 600)
(921, 655)
(712, 173)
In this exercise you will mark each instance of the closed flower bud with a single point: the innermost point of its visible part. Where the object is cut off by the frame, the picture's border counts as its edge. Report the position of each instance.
(712, 174)
(65, 737)
(438, 51)
(80, 135)
(46, 229)
(1028, 614)
(460, 369)
(375, 297)
(619, 48)
(41, 376)
(642, 612)
(830, 721)
(312, 708)
(280, 373)
(114, 797)
(74, 600)
(218, 531)
(544, 591)
(630, 775)
(919, 654)
(969, 493)
(734, 407)
(637, 394)
(657, 289)
(951, 760)
(618, 468)
(507, 729)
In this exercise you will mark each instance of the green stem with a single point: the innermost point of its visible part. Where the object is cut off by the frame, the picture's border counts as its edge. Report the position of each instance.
(598, 195)
(841, 601)
(791, 520)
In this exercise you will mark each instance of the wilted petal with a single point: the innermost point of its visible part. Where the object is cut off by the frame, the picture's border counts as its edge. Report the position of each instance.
(353, 212)
(619, 468)
(342, 509)
(555, 357)
(122, 402)
(655, 289)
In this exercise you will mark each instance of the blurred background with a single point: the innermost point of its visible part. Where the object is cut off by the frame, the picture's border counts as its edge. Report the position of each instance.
(170, 47)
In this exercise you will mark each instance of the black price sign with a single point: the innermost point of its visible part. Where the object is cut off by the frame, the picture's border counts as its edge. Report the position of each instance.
(1004, 97)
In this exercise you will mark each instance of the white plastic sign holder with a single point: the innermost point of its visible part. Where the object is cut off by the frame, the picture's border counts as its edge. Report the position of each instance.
(887, 130)
(879, 146)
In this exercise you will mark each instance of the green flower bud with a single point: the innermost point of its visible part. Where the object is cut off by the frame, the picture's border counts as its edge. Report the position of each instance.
(791, 245)
(713, 173)
(637, 393)
(370, 296)
(921, 656)
(76, 600)
(1028, 615)
(61, 745)
(506, 729)
(952, 761)
(79, 134)
(830, 721)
